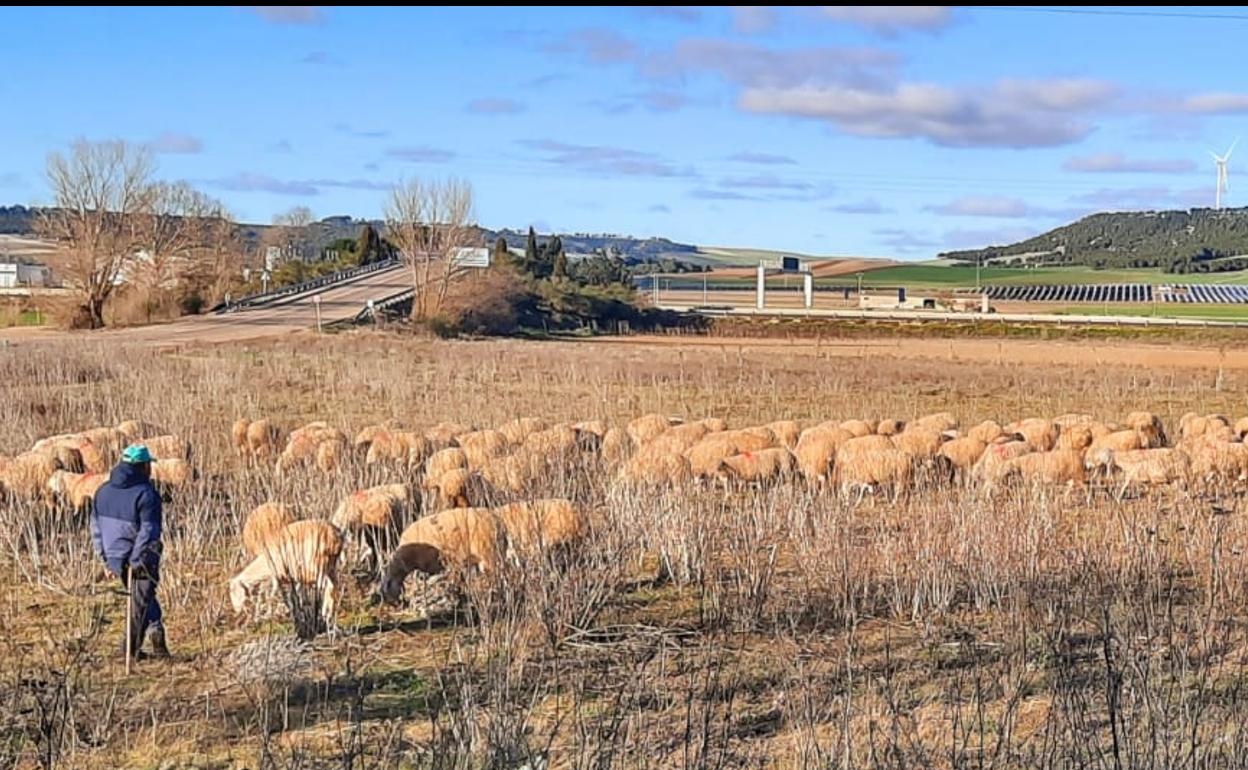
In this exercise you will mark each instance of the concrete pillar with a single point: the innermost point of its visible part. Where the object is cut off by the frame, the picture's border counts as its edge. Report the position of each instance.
(983, 305)
(808, 289)
(761, 287)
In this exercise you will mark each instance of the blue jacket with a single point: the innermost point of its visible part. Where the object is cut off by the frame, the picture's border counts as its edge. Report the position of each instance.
(126, 521)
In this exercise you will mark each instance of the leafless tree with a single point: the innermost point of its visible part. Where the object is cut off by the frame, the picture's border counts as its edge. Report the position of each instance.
(430, 222)
(176, 228)
(98, 191)
(290, 232)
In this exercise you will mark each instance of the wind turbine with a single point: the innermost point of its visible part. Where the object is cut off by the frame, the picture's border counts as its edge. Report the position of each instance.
(1223, 174)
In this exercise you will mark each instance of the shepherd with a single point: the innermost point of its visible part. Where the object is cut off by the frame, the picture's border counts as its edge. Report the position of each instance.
(126, 527)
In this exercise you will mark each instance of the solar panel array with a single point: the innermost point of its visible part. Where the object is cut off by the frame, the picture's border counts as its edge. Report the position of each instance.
(1204, 293)
(1097, 292)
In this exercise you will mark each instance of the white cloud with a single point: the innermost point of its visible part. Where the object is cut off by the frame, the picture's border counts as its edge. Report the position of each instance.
(1117, 163)
(174, 143)
(891, 19)
(983, 206)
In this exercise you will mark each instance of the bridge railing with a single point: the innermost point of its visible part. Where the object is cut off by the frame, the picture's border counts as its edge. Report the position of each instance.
(265, 297)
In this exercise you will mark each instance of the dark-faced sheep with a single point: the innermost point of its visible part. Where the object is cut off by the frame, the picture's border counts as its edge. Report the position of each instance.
(459, 538)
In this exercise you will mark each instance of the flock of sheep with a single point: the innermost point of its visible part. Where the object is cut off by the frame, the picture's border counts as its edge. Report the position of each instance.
(463, 496)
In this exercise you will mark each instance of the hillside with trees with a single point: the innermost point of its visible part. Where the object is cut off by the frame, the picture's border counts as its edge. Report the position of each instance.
(1199, 240)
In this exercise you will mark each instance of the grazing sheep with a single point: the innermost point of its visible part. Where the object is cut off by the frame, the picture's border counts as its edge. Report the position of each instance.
(518, 472)
(617, 446)
(263, 525)
(521, 428)
(238, 436)
(714, 424)
(644, 429)
(460, 488)
(656, 469)
(679, 438)
(890, 427)
(868, 442)
(174, 472)
(1241, 428)
(77, 488)
(540, 525)
(133, 429)
(787, 432)
(1160, 465)
(869, 468)
(168, 447)
(963, 453)
(1059, 466)
(920, 443)
(1120, 441)
(305, 553)
(1218, 460)
(936, 423)
(987, 431)
(1150, 426)
(365, 436)
(458, 538)
(26, 476)
(1039, 433)
(555, 441)
(858, 427)
(1192, 426)
(762, 467)
(445, 460)
(994, 462)
(263, 438)
(705, 456)
(596, 427)
(443, 434)
(329, 455)
(479, 446)
(408, 447)
(816, 451)
(374, 513)
(1075, 436)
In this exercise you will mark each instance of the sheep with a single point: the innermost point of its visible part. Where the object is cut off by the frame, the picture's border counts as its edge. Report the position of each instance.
(679, 438)
(858, 427)
(937, 423)
(329, 455)
(540, 525)
(443, 434)
(238, 436)
(521, 428)
(459, 488)
(555, 441)
(616, 447)
(920, 443)
(408, 447)
(1193, 426)
(870, 467)
(1161, 465)
(1218, 460)
(78, 488)
(445, 460)
(705, 456)
(643, 429)
(994, 462)
(26, 476)
(457, 538)
(987, 431)
(479, 446)
(365, 436)
(816, 451)
(173, 472)
(1150, 426)
(890, 427)
(305, 553)
(1241, 428)
(786, 432)
(761, 467)
(1041, 434)
(133, 429)
(596, 427)
(1071, 419)
(1076, 436)
(649, 469)
(167, 447)
(1120, 441)
(65, 452)
(376, 513)
(867, 443)
(263, 438)
(263, 525)
(963, 453)
(714, 424)
(1058, 466)
(517, 472)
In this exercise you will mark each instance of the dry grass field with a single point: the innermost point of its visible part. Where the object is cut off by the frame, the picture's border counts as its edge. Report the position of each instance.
(696, 626)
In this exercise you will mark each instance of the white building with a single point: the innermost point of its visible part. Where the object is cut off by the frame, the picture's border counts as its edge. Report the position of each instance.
(14, 275)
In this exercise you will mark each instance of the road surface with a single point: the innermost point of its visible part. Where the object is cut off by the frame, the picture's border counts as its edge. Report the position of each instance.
(339, 302)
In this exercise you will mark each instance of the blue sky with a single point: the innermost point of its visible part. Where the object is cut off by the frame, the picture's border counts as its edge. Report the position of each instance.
(898, 131)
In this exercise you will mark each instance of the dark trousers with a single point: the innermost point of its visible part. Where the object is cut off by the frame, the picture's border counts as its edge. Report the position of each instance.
(144, 607)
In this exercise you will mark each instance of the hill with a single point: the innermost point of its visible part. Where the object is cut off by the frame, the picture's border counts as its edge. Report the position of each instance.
(1199, 240)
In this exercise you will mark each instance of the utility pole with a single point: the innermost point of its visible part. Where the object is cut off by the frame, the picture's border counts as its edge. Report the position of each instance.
(703, 287)
(316, 301)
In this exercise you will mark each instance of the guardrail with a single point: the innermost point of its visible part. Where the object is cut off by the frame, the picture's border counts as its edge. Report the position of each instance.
(265, 297)
(927, 315)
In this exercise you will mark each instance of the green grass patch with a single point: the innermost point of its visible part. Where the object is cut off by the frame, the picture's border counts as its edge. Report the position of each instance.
(1161, 310)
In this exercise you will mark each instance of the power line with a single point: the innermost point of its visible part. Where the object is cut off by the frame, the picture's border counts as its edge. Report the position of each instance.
(1108, 12)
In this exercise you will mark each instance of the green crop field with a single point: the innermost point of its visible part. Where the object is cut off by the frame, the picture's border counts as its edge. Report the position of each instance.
(1161, 310)
(942, 276)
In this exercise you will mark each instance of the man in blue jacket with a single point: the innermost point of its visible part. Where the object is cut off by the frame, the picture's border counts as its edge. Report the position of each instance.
(125, 525)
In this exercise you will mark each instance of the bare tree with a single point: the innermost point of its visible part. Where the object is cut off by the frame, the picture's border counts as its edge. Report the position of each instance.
(97, 192)
(290, 232)
(430, 222)
(175, 228)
